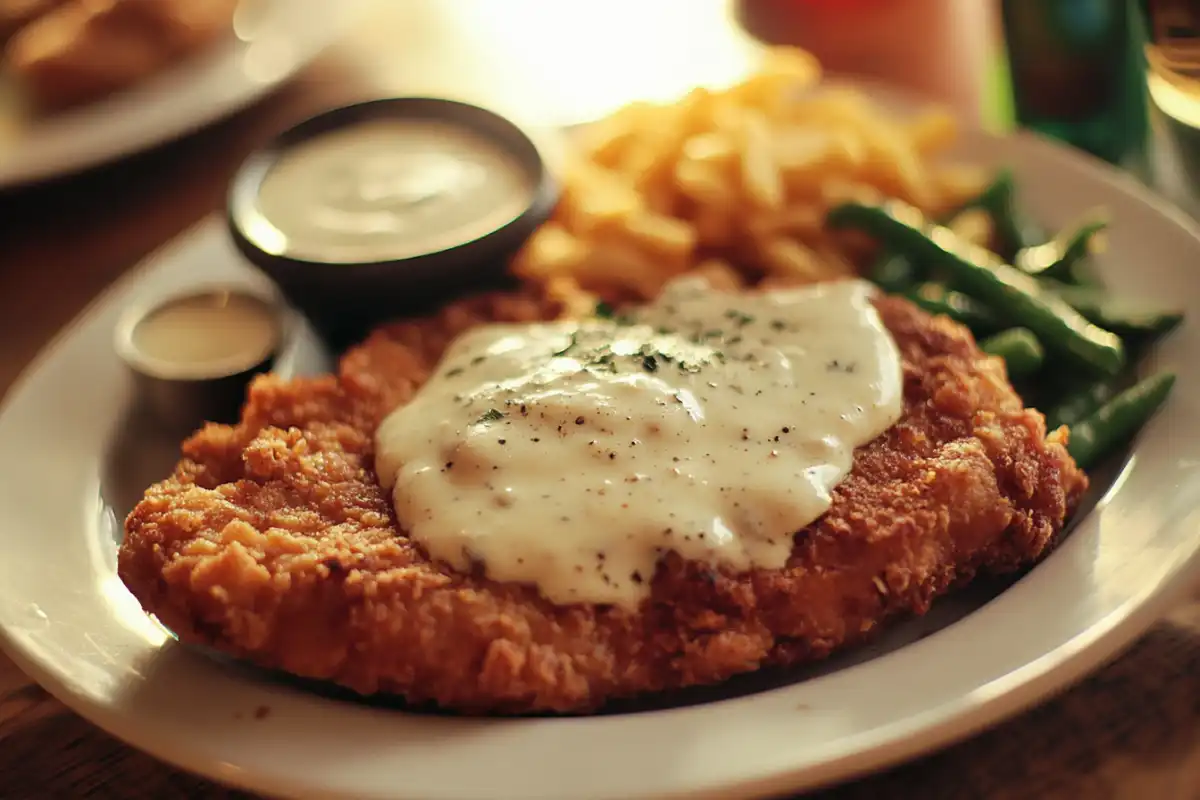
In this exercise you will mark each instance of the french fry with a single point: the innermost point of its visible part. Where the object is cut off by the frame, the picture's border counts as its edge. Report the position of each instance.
(783, 72)
(715, 227)
(575, 302)
(932, 131)
(788, 257)
(955, 184)
(839, 190)
(799, 149)
(734, 184)
(761, 181)
(833, 107)
(594, 197)
(612, 263)
(551, 251)
(719, 274)
(712, 148)
(974, 225)
(833, 260)
(604, 142)
(671, 240)
(703, 183)
(802, 221)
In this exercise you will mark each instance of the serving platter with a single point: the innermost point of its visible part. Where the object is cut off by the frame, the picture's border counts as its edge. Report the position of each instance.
(269, 42)
(980, 656)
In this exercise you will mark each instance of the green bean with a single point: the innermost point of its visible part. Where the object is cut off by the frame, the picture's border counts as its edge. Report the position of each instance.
(1012, 294)
(896, 273)
(1014, 232)
(1115, 422)
(1020, 349)
(1079, 403)
(1062, 258)
(938, 300)
(1124, 318)
(893, 273)
(993, 196)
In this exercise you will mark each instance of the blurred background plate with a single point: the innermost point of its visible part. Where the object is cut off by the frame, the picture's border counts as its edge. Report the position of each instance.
(268, 43)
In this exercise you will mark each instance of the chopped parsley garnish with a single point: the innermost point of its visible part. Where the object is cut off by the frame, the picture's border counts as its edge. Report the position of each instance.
(604, 310)
(491, 415)
(740, 317)
(574, 340)
(603, 362)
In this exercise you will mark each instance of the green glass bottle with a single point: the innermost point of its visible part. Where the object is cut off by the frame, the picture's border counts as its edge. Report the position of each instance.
(1077, 74)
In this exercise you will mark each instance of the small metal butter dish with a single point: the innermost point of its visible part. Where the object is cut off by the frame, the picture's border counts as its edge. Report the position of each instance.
(193, 354)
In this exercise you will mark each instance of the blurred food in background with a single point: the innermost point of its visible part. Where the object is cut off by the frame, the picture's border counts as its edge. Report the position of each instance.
(16, 14)
(735, 183)
(68, 52)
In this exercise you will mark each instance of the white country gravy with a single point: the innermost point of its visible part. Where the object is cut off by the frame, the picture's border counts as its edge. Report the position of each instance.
(573, 456)
(390, 189)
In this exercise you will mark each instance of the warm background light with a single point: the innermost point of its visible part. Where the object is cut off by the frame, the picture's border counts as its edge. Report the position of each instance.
(562, 62)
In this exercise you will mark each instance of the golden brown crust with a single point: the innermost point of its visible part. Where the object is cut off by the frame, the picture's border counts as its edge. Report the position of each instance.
(273, 541)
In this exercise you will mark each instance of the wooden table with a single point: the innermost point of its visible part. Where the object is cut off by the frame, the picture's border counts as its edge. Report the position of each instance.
(1131, 731)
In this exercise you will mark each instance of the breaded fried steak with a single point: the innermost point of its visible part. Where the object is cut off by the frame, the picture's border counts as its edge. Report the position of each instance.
(274, 542)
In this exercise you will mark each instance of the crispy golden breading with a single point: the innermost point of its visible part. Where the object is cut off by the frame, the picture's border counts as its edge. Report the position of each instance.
(274, 542)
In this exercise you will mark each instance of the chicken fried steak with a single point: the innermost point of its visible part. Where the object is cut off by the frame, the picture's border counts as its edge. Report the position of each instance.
(274, 542)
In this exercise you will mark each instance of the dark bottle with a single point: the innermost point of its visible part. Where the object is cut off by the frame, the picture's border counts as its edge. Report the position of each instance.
(1078, 74)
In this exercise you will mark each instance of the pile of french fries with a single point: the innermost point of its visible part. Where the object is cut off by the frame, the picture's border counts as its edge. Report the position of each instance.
(734, 183)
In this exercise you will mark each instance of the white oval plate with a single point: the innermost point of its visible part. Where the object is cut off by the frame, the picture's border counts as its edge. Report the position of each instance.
(271, 40)
(980, 657)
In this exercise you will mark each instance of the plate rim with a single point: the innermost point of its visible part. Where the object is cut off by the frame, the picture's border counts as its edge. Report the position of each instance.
(1034, 682)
